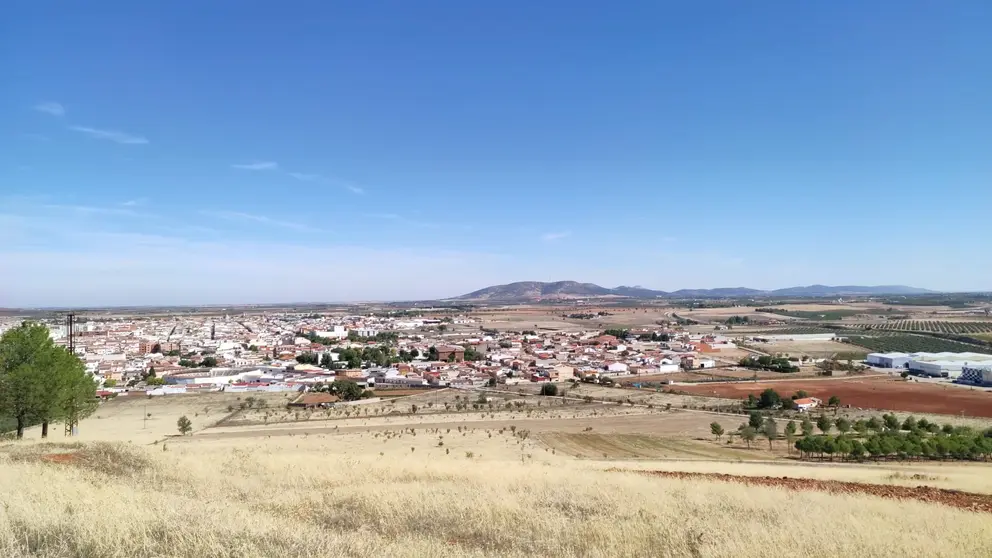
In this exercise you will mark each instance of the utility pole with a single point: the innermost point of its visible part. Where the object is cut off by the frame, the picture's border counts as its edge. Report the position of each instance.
(72, 422)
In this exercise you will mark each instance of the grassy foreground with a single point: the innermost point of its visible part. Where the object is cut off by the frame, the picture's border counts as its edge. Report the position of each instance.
(301, 497)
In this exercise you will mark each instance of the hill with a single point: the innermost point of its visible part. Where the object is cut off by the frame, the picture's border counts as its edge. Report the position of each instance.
(536, 290)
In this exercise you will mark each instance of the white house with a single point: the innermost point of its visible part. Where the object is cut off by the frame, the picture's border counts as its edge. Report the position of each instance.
(617, 367)
(805, 404)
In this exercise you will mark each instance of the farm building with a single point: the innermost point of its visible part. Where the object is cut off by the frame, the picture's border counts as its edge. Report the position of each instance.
(805, 404)
(978, 375)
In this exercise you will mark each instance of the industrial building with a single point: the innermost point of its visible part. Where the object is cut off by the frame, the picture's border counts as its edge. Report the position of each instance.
(937, 365)
(889, 360)
(978, 375)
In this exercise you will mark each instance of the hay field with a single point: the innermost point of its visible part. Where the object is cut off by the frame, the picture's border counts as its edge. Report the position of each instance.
(318, 496)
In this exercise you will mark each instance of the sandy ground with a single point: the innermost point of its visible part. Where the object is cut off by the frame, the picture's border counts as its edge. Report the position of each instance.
(146, 419)
(815, 349)
(635, 420)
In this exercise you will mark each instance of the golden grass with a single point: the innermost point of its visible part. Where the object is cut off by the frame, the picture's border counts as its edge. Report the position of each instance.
(296, 496)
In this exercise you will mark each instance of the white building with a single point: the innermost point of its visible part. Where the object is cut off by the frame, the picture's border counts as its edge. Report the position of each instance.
(938, 365)
(978, 375)
(889, 360)
(337, 332)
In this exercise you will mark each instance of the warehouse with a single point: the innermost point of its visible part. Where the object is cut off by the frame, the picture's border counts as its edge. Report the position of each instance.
(978, 375)
(889, 360)
(937, 365)
(946, 365)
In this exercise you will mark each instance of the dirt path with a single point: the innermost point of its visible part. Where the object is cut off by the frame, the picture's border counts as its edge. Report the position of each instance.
(963, 500)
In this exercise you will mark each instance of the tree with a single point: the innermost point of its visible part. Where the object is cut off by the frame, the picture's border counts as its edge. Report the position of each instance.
(770, 399)
(834, 402)
(716, 429)
(800, 395)
(184, 425)
(208, 362)
(790, 433)
(77, 398)
(843, 425)
(432, 353)
(110, 382)
(346, 390)
(874, 424)
(824, 424)
(770, 430)
(861, 427)
(41, 382)
(755, 420)
(549, 390)
(807, 427)
(909, 424)
(891, 421)
(749, 433)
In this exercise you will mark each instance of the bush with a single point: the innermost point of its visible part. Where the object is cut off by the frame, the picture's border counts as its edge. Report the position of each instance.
(549, 390)
(184, 425)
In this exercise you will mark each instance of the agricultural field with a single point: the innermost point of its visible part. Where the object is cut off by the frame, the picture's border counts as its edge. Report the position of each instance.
(909, 343)
(825, 315)
(881, 393)
(932, 326)
(814, 349)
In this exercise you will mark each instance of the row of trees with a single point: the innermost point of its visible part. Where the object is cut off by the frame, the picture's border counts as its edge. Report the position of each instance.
(41, 382)
(900, 445)
(874, 437)
(765, 362)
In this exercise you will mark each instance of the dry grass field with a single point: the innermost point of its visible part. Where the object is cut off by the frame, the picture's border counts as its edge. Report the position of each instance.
(455, 484)
(313, 497)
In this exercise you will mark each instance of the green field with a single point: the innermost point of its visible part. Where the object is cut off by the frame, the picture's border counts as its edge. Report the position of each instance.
(909, 343)
(933, 326)
(828, 315)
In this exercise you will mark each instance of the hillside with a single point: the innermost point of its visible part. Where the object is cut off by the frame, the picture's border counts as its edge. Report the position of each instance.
(535, 290)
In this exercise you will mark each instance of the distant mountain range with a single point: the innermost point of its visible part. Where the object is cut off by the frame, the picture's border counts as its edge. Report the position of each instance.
(534, 290)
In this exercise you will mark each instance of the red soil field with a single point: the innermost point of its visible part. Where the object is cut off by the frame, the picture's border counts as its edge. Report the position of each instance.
(871, 393)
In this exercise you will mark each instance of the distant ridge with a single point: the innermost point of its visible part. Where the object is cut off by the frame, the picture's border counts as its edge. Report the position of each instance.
(535, 290)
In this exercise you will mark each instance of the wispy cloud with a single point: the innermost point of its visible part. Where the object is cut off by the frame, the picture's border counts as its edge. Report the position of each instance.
(553, 236)
(258, 165)
(111, 135)
(89, 209)
(303, 176)
(134, 202)
(263, 219)
(355, 189)
(50, 107)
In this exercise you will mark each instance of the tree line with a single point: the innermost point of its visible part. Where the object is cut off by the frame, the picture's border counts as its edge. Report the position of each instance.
(874, 438)
(41, 382)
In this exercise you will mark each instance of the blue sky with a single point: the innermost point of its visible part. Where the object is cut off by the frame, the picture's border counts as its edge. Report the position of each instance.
(226, 152)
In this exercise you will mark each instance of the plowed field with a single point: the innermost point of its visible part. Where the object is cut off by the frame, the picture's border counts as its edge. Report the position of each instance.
(881, 393)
